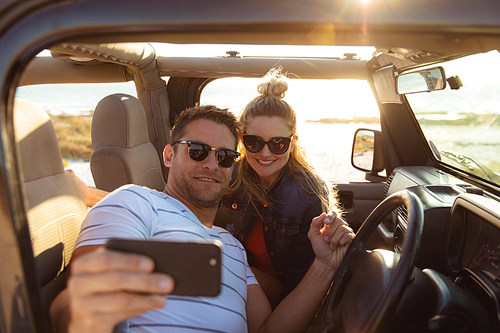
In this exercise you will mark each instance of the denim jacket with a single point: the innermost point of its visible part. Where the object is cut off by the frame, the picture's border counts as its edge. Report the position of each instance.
(286, 218)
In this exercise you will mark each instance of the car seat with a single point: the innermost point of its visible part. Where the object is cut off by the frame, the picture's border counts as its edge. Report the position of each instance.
(54, 203)
(123, 153)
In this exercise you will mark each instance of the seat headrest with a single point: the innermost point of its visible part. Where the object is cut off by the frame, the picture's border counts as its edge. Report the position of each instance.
(35, 134)
(118, 125)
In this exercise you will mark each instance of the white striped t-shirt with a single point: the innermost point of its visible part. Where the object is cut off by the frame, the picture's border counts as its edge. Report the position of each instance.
(135, 212)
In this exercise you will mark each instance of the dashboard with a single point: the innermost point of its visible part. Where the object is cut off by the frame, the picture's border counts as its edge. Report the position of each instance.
(474, 237)
(481, 247)
(461, 235)
(437, 191)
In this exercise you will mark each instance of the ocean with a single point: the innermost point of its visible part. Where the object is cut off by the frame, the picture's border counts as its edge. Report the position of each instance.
(328, 145)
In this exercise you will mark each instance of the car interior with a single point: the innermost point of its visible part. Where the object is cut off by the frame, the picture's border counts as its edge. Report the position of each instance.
(427, 213)
(55, 204)
(122, 152)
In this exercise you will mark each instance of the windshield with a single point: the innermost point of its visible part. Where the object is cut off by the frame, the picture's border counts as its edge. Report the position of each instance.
(463, 126)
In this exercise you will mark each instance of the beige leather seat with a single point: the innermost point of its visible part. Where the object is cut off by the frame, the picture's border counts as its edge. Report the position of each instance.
(55, 205)
(123, 153)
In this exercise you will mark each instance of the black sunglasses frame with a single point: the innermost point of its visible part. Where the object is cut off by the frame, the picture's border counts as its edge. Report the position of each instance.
(269, 143)
(206, 149)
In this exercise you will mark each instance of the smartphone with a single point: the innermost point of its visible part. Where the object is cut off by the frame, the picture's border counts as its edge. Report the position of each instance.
(195, 267)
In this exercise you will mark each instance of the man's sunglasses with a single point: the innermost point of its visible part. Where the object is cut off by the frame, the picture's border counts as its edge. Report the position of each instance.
(277, 145)
(199, 151)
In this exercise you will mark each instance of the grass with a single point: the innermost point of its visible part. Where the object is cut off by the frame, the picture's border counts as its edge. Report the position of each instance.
(73, 134)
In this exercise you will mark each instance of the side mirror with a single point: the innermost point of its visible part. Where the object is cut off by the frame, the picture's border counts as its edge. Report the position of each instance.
(421, 81)
(368, 151)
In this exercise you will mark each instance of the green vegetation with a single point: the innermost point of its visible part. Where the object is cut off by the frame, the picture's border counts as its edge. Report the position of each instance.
(73, 133)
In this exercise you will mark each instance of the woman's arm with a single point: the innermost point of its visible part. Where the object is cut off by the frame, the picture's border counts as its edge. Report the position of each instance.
(302, 254)
(330, 237)
(91, 195)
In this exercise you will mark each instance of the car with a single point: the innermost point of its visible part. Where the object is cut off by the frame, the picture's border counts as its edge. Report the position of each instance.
(426, 257)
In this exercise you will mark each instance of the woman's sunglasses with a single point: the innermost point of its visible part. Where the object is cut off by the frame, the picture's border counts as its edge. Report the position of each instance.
(199, 151)
(277, 145)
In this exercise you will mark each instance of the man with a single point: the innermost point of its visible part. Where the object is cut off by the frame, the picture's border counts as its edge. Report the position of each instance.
(108, 288)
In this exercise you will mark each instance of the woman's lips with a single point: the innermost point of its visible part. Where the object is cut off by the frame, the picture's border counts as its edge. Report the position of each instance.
(265, 163)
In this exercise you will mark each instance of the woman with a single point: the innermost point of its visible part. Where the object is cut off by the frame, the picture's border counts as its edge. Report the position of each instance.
(276, 193)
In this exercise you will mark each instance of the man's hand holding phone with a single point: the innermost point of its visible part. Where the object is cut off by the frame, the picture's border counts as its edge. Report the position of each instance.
(112, 284)
(107, 287)
(194, 266)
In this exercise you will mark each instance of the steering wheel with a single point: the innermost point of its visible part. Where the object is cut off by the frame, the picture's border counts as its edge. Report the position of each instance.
(370, 284)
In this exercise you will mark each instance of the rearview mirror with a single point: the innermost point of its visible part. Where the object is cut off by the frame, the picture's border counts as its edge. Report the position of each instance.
(421, 81)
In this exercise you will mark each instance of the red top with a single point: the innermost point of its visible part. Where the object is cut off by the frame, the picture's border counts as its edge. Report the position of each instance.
(256, 245)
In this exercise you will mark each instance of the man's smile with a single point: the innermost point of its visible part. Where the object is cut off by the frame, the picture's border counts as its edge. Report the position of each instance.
(206, 179)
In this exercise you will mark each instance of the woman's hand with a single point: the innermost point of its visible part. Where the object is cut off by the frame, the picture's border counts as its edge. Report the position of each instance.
(330, 237)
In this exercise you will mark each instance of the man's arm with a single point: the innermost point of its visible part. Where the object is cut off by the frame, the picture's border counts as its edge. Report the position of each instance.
(296, 311)
(107, 287)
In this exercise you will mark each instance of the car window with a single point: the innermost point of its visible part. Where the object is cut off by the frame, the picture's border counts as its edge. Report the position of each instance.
(74, 98)
(328, 112)
(464, 125)
(70, 107)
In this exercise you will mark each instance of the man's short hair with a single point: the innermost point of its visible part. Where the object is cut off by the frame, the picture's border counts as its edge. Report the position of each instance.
(209, 112)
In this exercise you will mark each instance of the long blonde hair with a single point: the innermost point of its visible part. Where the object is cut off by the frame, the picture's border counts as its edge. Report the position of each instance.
(270, 103)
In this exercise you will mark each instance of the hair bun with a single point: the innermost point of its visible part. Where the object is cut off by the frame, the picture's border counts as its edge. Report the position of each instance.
(275, 86)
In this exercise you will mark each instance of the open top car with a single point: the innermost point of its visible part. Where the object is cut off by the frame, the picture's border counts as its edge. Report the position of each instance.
(420, 182)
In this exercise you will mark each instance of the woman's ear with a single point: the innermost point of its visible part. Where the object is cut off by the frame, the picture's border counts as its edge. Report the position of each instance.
(168, 155)
(294, 140)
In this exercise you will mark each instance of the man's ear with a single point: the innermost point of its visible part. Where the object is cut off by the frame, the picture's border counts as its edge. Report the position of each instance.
(168, 155)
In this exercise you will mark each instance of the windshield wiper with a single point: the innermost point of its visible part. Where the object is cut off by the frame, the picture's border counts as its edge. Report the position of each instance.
(467, 162)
